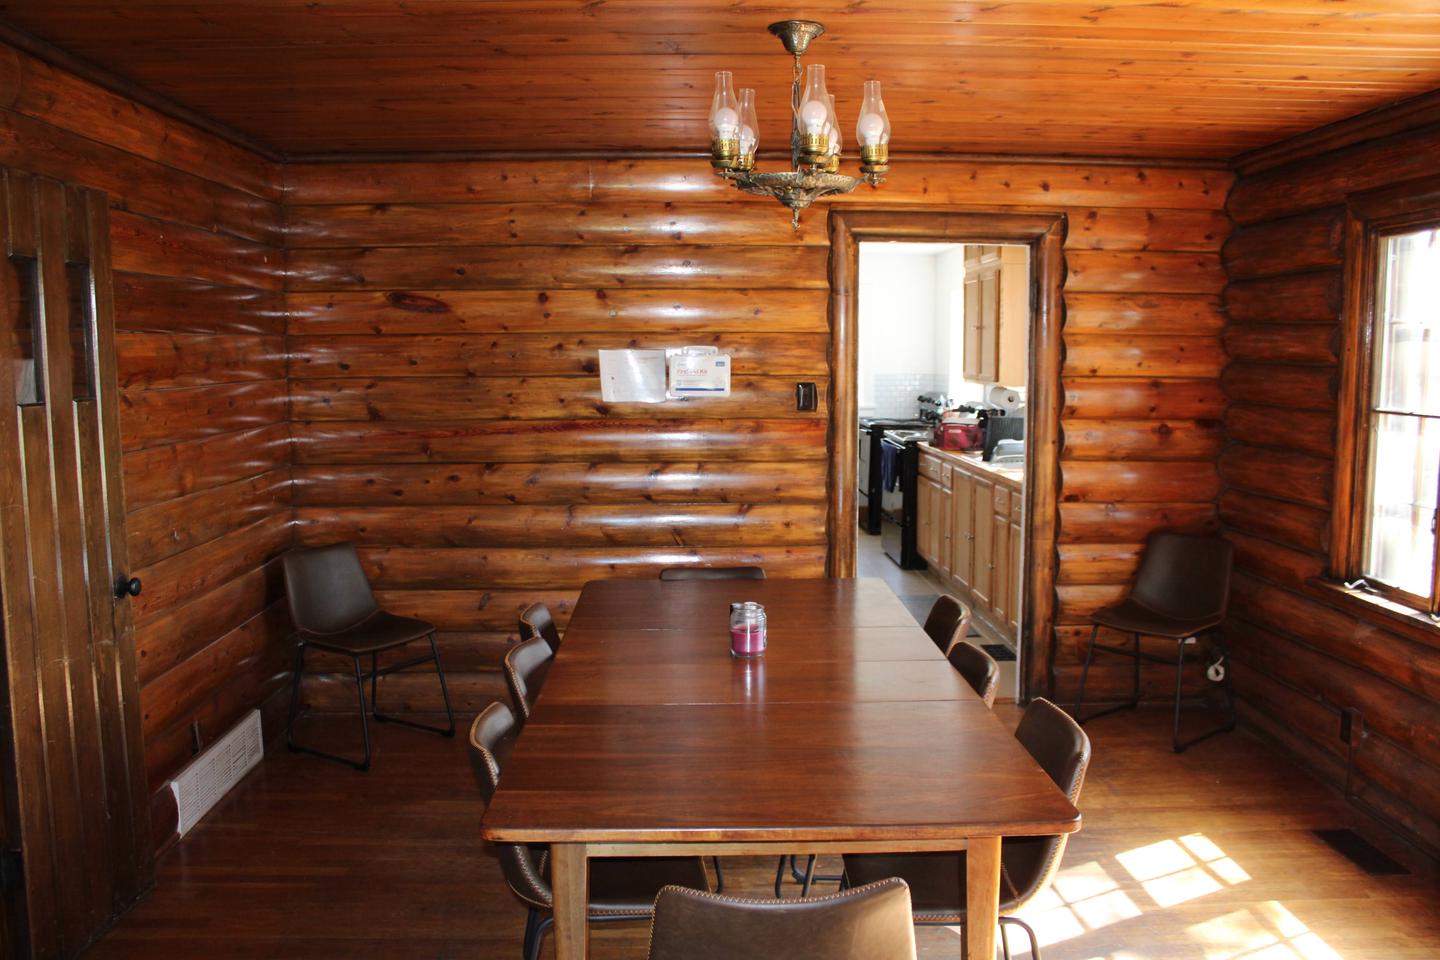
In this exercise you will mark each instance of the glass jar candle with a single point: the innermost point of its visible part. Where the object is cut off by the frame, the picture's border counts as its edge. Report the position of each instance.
(747, 629)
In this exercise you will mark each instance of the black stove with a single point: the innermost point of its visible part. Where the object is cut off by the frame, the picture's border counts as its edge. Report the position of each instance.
(872, 429)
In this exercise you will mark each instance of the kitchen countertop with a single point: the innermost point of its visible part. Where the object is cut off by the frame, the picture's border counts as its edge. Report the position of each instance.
(974, 462)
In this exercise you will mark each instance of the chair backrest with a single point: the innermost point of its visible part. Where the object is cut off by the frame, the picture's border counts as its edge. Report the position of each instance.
(535, 621)
(977, 667)
(948, 621)
(492, 736)
(526, 664)
(326, 589)
(1062, 749)
(872, 922)
(1185, 577)
(713, 573)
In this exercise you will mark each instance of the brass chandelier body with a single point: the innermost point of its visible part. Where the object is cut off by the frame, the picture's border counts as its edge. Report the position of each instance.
(815, 173)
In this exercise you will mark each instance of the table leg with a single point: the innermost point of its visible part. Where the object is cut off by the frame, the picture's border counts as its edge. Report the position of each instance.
(982, 885)
(570, 885)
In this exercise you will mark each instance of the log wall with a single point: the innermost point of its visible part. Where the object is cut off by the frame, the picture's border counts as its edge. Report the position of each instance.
(196, 234)
(444, 319)
(1302, 660)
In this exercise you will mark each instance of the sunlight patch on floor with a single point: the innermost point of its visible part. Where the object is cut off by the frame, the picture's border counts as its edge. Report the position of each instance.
(1265, 932)
(1176, 871)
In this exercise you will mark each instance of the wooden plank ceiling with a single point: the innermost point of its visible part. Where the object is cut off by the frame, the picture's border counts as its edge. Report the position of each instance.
(1188, 78)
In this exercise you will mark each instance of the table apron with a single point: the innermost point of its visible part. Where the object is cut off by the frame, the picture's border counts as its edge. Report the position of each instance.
(741, 848)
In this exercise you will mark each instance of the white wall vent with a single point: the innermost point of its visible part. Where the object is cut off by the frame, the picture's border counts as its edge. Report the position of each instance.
(210, 776)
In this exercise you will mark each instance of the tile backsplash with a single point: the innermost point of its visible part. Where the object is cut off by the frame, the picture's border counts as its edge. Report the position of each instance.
(894, 393)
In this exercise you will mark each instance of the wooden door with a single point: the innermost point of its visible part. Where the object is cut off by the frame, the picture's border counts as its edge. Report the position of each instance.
(982, 582)
(77, 769)
(945, 528)
(989, 339)
(971, 356)
(962, 518)
(926, 501)
(1000, 564)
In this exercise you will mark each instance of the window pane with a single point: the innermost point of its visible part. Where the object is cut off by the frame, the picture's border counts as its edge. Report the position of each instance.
(1403, 483)
(1407, 334)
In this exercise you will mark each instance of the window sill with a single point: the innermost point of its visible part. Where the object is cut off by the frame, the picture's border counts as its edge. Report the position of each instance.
(1372, 606)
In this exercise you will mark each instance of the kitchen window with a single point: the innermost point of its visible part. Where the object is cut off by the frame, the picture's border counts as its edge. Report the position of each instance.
(1386, 541)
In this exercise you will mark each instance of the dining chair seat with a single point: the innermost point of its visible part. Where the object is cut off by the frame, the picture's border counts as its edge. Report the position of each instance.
(937, 882)
(378, 632)
(526, 666)
(536, 621)
(978, 668)
(947, 622)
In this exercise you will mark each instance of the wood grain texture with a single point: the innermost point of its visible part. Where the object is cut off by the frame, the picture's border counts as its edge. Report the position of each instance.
(414, 385)
(200, 394)
(1302, 657)
(1199, 81)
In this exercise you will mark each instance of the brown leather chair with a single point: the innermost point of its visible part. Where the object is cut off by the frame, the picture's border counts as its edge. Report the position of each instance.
(867, 923)
(1180, 594)
(713, 573)
(333, 610)
(526, 665)
(977, 667)
(620, 889)
(948, 621)
(535, 621)
(1027, 864)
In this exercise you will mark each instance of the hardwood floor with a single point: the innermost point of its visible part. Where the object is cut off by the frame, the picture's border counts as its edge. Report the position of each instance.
(1208, 855)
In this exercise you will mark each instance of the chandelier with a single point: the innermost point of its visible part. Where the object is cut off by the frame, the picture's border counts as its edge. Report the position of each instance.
(815, 142)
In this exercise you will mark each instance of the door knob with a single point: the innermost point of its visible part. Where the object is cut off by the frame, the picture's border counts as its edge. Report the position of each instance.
(127, 587)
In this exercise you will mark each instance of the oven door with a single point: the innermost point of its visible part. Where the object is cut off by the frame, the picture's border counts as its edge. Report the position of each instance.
(892, 501)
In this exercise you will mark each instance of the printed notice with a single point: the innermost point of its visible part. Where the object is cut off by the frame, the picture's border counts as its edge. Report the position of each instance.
(633, 376)
(699, 374)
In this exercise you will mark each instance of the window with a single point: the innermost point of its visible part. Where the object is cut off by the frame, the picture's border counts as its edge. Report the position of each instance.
(1388, 490)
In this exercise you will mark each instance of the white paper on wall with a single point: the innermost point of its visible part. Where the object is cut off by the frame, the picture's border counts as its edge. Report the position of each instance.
(632, 376)
(699, 372)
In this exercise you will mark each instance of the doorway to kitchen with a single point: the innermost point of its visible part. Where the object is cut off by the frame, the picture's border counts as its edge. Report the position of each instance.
(944, 419)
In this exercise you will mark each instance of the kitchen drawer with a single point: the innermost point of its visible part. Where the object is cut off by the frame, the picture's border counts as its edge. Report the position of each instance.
(1001, 500)
(931, 466)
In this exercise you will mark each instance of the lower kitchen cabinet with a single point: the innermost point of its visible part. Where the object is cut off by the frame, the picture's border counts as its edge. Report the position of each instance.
(970, 532)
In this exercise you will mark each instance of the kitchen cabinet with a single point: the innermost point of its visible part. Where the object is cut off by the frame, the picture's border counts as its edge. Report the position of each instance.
(970, 530)
(997, 314)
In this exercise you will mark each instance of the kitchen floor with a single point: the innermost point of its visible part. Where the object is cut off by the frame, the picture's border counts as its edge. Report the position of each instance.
(917, 589)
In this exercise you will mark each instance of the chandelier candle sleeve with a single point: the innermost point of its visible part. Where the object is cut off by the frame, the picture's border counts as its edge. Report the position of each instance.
(749, 131)
(724, 123)
(832, 147)
(815, 116)
(873, 131)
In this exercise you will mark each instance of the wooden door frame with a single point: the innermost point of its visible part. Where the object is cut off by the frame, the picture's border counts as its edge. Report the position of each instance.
(1044, 234)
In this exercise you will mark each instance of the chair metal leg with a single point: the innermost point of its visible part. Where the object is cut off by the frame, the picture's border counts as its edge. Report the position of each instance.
(299, 673)
(1179, 692)
(1029, 932)
(1004, 942)
(719, 875)
(1229, 724)
(779, 877)
(446, 731)
(809, 876)
(1085, 673)
(537, 938)
(295, 747)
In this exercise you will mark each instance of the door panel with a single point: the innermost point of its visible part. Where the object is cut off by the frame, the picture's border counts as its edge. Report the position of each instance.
(982, 583)
(78, 792)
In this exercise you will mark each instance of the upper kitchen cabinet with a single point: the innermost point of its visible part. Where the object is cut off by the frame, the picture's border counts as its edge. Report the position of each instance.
(997, 314)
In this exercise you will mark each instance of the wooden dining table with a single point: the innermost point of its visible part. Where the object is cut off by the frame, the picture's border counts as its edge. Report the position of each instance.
(850, 734)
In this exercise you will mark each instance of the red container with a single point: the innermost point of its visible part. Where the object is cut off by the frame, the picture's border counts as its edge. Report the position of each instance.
(959, 436)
